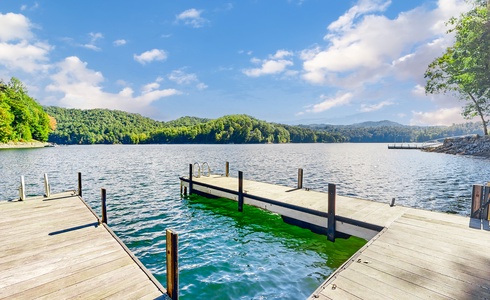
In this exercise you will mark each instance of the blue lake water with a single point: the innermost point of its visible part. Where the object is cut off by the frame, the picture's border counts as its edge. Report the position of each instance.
(225, 254)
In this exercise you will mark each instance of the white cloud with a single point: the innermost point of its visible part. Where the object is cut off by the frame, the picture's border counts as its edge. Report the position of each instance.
(192, 17)
(120, 42)
(375, 107)
(19, 50)
(361, 43)
(80, 87)
(93, 39)
(151, 55)
(330, 102)
(274, 65)
(443, 116)
(182, 78)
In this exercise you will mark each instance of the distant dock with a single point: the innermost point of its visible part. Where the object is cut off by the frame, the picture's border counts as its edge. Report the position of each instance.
(410, 254)
(56, 247)
(405, 146)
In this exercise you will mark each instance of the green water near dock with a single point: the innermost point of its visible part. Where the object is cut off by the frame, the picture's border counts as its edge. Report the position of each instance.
(255, 255)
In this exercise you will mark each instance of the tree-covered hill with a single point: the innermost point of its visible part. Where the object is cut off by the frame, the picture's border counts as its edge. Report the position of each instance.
(21, 117)
(383, 132)
(103, 126)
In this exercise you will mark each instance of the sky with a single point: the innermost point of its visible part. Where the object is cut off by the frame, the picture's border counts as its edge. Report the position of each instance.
(283, 61)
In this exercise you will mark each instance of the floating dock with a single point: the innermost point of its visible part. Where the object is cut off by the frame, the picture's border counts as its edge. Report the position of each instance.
(410, 254)
(57, 248)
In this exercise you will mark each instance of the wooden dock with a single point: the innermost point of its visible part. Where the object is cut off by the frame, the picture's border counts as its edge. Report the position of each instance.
(56, 248)
(410, 254)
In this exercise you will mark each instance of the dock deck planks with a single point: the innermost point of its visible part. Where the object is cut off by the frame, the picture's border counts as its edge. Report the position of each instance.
(418, 255)
(54, 248)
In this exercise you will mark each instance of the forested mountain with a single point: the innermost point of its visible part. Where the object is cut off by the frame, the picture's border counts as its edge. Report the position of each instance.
(102, 126)
(375, 132)
(21, 117)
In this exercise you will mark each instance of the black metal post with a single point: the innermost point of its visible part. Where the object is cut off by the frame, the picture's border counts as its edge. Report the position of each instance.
(80, 184)
(331, 212)
(240, 191)
(190, 179)
(104, 210)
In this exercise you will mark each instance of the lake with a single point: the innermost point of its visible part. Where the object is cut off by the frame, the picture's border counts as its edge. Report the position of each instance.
(229, 255)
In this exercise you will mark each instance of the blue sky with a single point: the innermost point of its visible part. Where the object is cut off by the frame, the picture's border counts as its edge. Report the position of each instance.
(284, 61)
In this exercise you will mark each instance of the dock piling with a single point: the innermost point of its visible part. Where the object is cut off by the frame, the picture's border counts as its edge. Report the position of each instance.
(331, 212)
(190, 179)
(80, 184)
(240, 191)
(22, 189)
(392, 202)
(47, 188)
(300, 178)
(172, 265)
(227, 169)
(104, 210)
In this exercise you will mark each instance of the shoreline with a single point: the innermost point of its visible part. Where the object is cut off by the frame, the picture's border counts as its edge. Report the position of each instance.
(469, 145)
(24, 145)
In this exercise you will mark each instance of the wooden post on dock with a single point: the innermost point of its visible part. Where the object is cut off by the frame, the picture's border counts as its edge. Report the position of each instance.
(227, 169)
(22, 189)
(300, 178)
(331, 212)
(80, 184)
(47, 188)
(172, 265)
(104, 210)
(240, 191)
(190, 179)
(476, 202)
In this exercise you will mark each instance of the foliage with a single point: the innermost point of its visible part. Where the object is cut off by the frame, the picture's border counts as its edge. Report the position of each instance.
(397, 133)
(102, 126)
(21, 117)
(464, 69)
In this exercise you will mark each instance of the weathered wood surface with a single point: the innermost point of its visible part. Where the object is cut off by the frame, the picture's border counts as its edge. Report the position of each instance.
(54, 248)
(419, 255)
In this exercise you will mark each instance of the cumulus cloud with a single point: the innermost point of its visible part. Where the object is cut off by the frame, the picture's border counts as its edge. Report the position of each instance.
(361, 41)
(120, 42)
(275, 64)
(192, 17)
(443, 116)
(329, 102)
(19, 50)
(80, 87)
(150, 56)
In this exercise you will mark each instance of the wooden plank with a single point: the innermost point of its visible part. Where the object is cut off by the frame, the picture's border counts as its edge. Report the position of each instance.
(54, 249)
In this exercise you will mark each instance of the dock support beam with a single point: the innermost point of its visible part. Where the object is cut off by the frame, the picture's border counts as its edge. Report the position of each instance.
(331, 212)
(172, 265)
(190, 179)
(300, 178)
(104, 210)
(227, 169)
(80, 184)
(240, 191)
(22, 189)
(47, 188)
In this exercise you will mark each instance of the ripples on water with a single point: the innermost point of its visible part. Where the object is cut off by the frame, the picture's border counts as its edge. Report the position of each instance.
(225, 254)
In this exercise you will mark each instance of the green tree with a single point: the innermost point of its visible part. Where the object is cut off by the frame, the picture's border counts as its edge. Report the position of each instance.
(464, 69)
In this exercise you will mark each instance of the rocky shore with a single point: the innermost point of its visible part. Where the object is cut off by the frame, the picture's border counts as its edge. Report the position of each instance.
(16, 145)
(470, 145)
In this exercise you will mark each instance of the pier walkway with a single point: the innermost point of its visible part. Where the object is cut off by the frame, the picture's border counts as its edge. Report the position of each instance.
(56, 248)
(410, 254)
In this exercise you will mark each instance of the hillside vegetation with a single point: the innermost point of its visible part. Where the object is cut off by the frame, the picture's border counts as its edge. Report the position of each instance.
(102, 126)
(21, 117)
